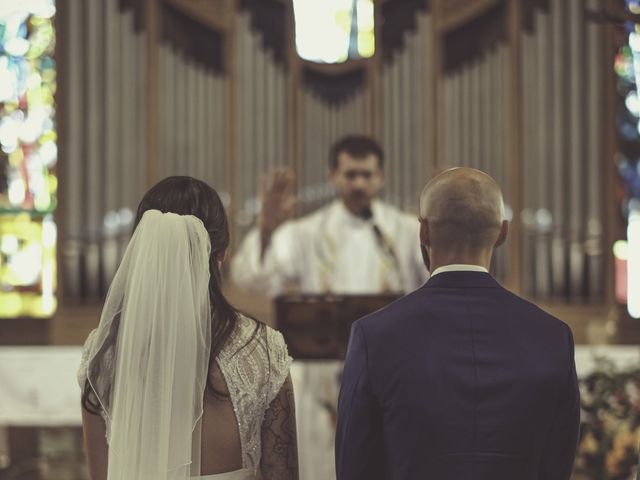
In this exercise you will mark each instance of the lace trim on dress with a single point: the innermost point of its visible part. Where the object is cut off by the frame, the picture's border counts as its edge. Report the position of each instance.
(254, 370)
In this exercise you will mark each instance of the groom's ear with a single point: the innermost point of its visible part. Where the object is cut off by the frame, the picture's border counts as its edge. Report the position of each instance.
(424, 232)
(424, 242)
(502, 236)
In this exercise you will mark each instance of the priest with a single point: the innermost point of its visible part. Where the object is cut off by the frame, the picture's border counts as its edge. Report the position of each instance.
(357, 244)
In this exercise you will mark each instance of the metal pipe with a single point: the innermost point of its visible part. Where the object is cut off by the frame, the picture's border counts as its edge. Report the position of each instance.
(576, 155)
(559, 54)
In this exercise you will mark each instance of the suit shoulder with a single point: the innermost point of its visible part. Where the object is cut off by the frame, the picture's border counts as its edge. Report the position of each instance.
(388, 316)
(535, 311)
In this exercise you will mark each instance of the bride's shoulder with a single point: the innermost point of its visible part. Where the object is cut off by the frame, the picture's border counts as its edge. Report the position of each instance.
(253, 338)
(246, 327)
(84, 359)
(258, 351)
(251, 332)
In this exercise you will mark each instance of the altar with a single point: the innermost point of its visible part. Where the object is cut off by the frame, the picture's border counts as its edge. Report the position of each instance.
(40, 392)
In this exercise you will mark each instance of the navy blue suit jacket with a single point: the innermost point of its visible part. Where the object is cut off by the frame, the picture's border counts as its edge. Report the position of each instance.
(459, 380)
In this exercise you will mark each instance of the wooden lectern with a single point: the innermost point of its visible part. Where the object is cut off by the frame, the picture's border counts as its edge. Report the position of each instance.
(317, 327)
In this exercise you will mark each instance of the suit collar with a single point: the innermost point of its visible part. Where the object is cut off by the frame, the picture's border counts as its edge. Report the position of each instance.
(462, 279)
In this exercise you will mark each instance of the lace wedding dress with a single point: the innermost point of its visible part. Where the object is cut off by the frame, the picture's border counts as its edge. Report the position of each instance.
(254, 368)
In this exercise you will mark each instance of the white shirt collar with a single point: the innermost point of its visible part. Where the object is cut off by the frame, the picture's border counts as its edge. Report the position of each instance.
(458, 267)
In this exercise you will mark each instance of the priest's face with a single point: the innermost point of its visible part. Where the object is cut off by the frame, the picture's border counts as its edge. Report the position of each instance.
(358, 181)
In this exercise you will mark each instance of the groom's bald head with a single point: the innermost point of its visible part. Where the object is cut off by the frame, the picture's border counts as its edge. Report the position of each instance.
(463, 208)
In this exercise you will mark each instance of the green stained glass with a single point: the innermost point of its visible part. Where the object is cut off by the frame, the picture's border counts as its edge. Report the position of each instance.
(28, 157)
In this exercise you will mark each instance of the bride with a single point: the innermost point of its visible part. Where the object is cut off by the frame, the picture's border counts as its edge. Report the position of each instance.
(176, 383)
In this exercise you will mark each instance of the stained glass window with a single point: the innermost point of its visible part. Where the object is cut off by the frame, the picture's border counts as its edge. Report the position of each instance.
(333, 31)
(28, 154)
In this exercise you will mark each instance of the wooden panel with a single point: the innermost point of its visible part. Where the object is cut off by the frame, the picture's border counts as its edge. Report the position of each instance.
(215, 14)
(24, 444)
(452, 14)
(24, 331)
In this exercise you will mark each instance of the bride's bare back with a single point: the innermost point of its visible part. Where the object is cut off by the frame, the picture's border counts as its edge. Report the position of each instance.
(220, 431)
(250, 426)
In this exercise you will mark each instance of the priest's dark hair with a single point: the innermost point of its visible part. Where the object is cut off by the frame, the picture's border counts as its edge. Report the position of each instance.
(357, 146)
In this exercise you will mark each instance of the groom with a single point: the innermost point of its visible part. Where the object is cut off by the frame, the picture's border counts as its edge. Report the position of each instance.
(460, 379)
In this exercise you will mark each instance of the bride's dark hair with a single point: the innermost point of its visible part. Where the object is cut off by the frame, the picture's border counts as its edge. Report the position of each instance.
(184, 195)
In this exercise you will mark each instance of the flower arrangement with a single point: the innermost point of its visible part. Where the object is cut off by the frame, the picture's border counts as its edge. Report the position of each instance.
(610, 430)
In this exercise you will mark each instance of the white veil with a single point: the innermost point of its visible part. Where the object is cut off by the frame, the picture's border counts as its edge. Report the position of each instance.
(149, 361)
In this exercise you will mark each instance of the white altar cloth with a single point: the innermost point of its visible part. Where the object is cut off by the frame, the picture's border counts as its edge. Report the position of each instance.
(38, 384)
